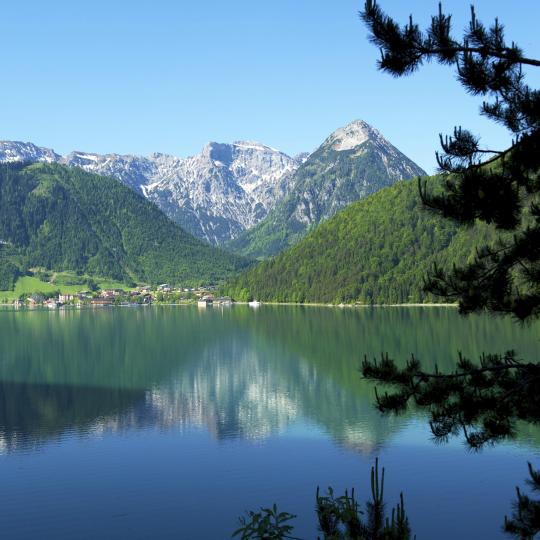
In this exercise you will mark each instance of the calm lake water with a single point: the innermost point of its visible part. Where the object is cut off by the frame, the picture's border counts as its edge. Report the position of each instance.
(169, 422)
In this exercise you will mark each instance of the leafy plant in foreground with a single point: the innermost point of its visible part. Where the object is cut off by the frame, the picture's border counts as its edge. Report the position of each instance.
(339, 517)
(268, 524)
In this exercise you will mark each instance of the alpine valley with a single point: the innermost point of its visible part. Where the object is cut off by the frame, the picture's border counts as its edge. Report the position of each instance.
(249, 195)
(136, 219)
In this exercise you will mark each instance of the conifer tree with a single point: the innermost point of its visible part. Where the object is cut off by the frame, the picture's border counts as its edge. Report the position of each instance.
(501, 187)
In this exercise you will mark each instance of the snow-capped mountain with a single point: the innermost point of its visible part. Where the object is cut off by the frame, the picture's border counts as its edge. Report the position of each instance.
(214, 195)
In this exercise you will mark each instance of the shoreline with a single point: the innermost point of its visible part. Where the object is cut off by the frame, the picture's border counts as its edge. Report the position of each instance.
(298, 304)
(322, 304)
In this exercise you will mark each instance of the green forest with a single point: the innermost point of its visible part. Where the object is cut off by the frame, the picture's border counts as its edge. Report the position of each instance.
(58, 218)
(377, 250)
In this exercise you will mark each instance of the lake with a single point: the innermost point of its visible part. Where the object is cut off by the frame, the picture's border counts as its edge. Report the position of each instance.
(169, 422)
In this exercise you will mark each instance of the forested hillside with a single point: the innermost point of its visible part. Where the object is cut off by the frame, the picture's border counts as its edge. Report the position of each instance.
(377, 250)
(61, 218)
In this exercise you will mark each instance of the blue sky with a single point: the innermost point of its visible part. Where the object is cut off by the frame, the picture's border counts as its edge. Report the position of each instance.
(168, 76)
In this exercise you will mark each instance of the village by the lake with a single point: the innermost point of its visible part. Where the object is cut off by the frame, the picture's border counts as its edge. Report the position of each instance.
(164, 293)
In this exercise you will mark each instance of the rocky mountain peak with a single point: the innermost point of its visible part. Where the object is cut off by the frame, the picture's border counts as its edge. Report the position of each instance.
(352, 135)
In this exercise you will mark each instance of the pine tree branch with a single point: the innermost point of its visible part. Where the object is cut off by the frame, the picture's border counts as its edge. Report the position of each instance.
(477, 371)
(484, 52)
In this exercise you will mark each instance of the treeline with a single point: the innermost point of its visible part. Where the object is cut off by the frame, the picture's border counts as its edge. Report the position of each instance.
(377, 250)
(63, 218)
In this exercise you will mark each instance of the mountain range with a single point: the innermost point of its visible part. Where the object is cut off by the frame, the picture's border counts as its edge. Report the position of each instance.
(253, 198)
(214, 195)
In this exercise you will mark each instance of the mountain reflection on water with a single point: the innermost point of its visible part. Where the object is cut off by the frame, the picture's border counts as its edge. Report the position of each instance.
(236, 372)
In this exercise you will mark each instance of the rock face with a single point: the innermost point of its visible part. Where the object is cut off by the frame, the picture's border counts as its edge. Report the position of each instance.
(214, 195)
(13, 151)
(232, 191)
(222, 191)
(352, 163)
(351, 136)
